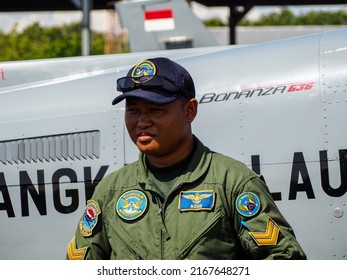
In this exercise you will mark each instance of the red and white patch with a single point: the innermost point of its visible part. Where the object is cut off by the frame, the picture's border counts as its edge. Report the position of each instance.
(159, 20)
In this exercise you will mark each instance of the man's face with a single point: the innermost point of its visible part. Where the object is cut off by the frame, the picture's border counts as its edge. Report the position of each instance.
(158, 130)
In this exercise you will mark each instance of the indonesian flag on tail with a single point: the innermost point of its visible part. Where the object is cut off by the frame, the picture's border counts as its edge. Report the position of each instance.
(159, 20)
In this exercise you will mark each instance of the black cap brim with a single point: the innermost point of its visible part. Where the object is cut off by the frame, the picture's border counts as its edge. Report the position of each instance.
(154, 97)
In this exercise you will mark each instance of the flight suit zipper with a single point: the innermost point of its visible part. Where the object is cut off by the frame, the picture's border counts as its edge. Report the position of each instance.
(165, 200)
(164, 233)
(160, 204)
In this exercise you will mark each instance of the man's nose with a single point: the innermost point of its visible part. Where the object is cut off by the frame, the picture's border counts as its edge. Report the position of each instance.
(144, 119)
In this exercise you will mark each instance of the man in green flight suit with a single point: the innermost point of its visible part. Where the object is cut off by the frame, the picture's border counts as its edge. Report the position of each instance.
(179, 200)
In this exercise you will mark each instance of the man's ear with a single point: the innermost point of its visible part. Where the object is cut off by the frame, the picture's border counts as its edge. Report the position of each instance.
(191, 110)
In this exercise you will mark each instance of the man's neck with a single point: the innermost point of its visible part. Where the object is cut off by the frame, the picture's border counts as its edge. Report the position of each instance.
(168, 160)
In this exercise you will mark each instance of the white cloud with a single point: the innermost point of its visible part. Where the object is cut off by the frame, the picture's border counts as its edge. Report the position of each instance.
(203, 12)
(23, 19)
(60, 18)
(98, 19)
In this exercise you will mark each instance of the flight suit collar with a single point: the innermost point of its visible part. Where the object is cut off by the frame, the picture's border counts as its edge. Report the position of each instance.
(196, 168)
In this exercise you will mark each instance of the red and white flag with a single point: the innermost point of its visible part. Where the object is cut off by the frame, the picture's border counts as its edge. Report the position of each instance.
(159, 20)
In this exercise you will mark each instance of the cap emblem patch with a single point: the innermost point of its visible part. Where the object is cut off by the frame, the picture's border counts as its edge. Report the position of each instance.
(247, 204)
(131, 205)
(145, 70)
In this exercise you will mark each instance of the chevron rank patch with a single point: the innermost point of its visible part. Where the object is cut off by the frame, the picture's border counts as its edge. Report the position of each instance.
(196, 200)
(269, 236)
(90, 218)
(74, 253)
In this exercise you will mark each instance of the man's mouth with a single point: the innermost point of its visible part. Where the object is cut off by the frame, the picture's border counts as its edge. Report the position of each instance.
(144, 137)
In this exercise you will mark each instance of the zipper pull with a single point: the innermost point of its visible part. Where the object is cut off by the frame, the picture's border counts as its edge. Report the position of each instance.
(160, 204)
(161, 209)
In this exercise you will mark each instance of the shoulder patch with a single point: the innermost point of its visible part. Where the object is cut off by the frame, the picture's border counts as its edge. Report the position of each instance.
(90, 218)
(131, 205)
(247, 204)
(196, 200)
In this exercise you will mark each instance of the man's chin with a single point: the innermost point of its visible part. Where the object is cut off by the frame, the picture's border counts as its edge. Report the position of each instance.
(146, 148)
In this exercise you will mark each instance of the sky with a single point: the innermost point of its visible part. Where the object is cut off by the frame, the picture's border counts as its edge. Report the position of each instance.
(100, 23)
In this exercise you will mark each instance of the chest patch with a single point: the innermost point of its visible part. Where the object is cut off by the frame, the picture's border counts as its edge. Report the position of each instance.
(131, 205)
(196, 200)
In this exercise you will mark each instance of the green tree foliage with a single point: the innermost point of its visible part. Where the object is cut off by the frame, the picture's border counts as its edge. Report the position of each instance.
(214, 22)
(36, 42)
(287, 17)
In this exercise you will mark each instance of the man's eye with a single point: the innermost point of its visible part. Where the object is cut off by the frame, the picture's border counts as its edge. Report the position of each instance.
(131, 109)
(155, 109)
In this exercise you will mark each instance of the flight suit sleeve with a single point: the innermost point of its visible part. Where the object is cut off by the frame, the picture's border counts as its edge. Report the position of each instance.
(262, 229)
(90, 241)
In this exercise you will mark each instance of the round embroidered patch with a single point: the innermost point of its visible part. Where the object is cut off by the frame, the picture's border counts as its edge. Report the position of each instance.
(144, 71)
(89, 218)
(131, 205)
(247, 204)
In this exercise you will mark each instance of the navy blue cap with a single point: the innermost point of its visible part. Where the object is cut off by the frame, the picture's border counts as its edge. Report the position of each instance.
(156, 80)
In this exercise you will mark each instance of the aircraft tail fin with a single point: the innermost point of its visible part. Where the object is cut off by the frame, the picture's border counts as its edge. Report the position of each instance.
(162, 24)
